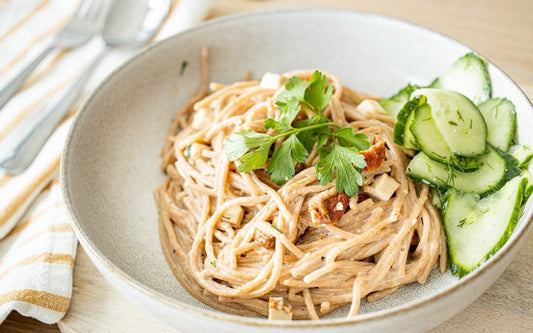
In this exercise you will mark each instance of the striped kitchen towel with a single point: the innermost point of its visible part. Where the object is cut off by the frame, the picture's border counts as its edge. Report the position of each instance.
(37, 260)
(37, 243)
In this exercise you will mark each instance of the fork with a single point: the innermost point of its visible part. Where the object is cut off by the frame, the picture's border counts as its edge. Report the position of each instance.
(85, 23)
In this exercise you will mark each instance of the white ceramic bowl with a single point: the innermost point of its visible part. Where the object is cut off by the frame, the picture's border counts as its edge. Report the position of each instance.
(111, 163)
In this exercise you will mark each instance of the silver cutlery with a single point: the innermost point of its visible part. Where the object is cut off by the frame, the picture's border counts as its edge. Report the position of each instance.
(84, 25)
(23, 144)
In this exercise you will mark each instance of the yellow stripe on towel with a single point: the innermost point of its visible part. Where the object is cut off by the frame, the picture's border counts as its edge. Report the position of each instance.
(38, 39)
(24, 19)
(41, 100)
(38, 181)
(40, 298)
(4, 179)
(24, 224)
(51, 258)
(53, 228)
(43, 72)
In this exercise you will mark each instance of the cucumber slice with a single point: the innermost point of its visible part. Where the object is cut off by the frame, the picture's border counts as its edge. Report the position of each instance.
(477, 228)
(500, 116)
(395, 103)
(495, 169)
(458, 120)
(432, 143)
(468, 76)
(402, 134)
(428, 136)
(522, 154)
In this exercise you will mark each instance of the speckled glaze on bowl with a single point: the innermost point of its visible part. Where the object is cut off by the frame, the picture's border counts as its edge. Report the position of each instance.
(111, 163)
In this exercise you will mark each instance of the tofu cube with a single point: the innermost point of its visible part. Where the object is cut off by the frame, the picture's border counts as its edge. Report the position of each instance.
(278, 309)
(266, 241)
(272, 81)
(382, 188)
(233, 215)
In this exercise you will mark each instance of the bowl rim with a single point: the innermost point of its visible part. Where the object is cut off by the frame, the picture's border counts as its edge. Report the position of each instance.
(95, 254)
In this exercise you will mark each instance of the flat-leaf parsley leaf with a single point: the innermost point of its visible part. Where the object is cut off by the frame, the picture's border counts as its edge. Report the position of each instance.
(337, 146)
(348, 138)
(238, 144)
(343, 160)
(281, 165)
(318, 94)
(295, 87)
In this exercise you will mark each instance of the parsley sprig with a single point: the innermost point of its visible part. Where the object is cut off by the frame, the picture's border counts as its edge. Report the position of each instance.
(337, 146)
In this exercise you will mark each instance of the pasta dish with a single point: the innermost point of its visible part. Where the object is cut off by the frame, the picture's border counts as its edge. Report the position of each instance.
(245, 244)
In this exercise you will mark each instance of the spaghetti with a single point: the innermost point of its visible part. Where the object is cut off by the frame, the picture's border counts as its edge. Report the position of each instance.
(236, 240)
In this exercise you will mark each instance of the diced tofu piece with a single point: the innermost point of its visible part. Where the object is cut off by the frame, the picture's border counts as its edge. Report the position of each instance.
(202, 119)
(278, 309)
(272, 81)
(233, 215)
(382, 188)
(194, 151)
(370, 106)
(266, 241)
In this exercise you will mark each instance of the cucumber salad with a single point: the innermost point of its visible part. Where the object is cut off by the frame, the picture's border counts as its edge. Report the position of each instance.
(465, 150)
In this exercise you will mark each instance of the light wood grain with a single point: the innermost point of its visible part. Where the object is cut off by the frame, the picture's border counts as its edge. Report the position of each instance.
(500, 30)
(97, 307)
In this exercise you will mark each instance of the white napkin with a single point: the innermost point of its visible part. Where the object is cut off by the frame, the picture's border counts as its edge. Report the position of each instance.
(38, 246)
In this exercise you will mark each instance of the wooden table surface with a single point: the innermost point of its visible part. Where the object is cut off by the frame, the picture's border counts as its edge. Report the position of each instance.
(502, 31)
